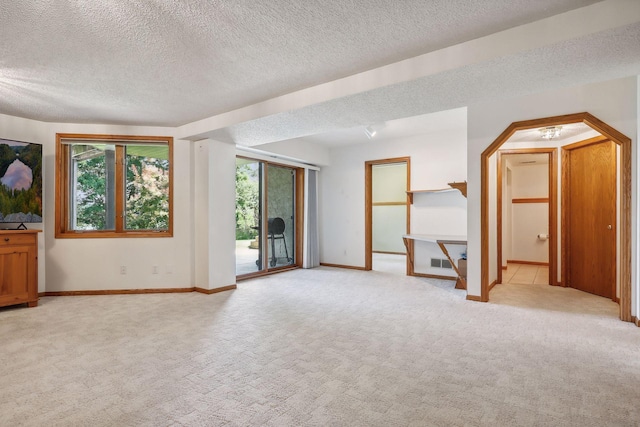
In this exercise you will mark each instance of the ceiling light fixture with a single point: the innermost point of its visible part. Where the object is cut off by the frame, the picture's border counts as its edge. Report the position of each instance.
(370, 132)
(550, 132)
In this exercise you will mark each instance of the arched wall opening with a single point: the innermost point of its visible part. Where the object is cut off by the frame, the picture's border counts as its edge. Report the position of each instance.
(618, 138)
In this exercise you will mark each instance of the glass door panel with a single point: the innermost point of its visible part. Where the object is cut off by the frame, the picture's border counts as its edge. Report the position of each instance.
(249, 236)
(281, 215)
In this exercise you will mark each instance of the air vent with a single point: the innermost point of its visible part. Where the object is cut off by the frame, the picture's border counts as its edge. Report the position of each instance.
(440, 263)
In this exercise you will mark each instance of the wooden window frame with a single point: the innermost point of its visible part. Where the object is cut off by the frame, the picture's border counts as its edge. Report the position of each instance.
(62, 229)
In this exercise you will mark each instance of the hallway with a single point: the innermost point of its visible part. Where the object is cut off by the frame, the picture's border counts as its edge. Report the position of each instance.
(525, 274)
(537, 294)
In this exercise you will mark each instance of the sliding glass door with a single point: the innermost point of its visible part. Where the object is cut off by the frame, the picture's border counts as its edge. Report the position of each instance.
(281, 215)
(266, 216)
(249, 191)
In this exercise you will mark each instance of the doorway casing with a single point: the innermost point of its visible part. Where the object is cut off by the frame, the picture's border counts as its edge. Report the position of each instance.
(553, 207)
(625, 198)
(368, 202)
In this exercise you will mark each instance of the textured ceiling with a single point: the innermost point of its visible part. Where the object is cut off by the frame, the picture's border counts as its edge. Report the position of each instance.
(603, 56)
(394, 129)
(569, 132)
(162, 62)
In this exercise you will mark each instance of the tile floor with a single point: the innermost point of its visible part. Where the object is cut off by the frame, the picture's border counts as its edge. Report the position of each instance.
(524, 274)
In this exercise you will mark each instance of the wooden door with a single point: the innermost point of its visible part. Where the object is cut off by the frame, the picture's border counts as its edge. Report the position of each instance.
(591, 218)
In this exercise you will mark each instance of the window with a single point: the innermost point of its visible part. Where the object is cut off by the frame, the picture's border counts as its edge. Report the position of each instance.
(113, 186)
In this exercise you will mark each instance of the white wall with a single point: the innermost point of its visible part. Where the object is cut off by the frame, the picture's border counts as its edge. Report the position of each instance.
(436, 159)
(299, 150)
(213, 223)
(94, 264)
(389, 222)
(530, 181)
(506, 215)
(437, 213)
(615, 102)
(529, 219)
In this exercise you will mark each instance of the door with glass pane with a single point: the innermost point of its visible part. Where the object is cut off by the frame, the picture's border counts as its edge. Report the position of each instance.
(280, 215)
(265, 216)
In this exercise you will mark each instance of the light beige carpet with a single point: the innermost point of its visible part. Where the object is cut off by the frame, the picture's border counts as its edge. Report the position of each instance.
(322, 347)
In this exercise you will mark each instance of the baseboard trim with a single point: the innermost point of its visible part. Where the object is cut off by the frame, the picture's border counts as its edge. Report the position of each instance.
(134, 291)
(434, 276)
(349, 267)
(635, 320)
(492, 285)
(216, 290)
(476, 298)
(257, 274)
(504, 267)
(516, 261)
(389, 252)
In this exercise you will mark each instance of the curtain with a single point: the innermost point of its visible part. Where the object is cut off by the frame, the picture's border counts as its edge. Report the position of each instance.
(311, 257)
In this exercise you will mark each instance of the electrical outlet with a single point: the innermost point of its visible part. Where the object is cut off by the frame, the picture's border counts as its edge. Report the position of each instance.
(154, 269)
(123, 269)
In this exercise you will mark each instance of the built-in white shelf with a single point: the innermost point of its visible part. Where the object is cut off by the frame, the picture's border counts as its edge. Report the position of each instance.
(455, 186)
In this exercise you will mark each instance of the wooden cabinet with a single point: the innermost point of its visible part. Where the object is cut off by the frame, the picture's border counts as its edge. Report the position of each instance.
(19, 267)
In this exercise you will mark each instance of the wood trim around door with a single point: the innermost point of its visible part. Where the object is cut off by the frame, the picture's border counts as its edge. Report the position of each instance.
(552, 199)
(530, 200)
(368, 204)
(298, 235)
(625, 199)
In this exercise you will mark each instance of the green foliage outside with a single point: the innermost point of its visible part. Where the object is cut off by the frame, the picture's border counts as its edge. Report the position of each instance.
(247, 202)
(91, 205)
(146, 200)
(147, 195)
(25, 201)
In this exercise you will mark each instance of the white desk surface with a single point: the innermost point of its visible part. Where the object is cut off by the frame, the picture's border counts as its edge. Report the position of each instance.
(438, 238)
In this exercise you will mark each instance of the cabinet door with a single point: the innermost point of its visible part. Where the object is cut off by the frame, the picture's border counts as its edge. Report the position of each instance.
(14, 275)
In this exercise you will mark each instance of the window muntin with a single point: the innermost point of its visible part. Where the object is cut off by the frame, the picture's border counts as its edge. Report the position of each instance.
(113, 186)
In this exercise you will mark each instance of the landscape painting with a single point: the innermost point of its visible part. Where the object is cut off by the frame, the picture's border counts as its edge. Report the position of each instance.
(20, 182)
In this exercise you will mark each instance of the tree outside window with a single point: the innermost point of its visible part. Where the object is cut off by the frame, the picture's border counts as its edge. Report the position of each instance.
(114, 187)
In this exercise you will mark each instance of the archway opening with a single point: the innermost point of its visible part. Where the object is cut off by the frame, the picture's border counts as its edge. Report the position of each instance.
(624, 183)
